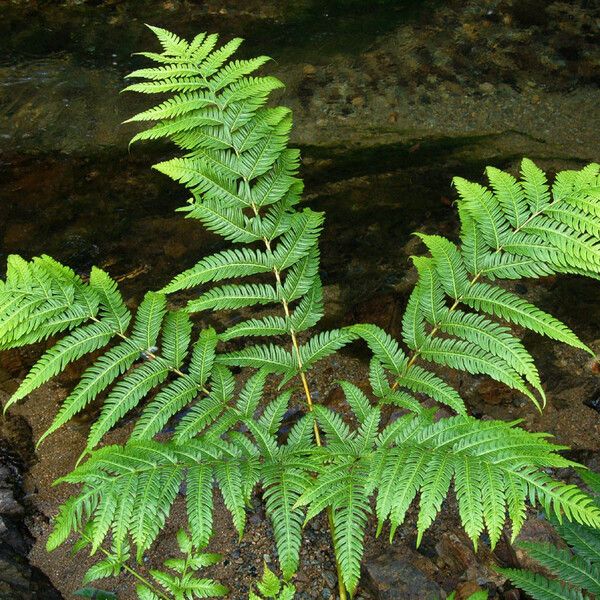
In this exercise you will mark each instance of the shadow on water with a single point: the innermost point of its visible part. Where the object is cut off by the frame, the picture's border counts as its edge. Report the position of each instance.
(112, 210)
(68, 187)
(107, 33)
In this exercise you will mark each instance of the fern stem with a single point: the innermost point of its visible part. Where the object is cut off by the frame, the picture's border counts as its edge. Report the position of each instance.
(309, 400)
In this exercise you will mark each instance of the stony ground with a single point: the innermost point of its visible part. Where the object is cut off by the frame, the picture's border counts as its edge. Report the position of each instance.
(386, 114)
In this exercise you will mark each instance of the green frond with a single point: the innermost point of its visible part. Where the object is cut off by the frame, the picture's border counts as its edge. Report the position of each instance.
(486, 211)
(465, 356)
(493, 338)
(172, 44)
(299, 239)
(383, 346)
(434, 489)
(174, 107)
(173, 398)
(113, 308)
(224, 265)
(421, 381)
(302, 276)
(235, 70)
(310, 309)
(584, 540)
(350, 514)
(273, 358)
(207, 410)
(536, 187)
(324, 344)
(283, 486)
(469, 491)
(229, 297)
(274, 412)
(125, 396)
(510, 194)
(242, 177)
(357, 401)
(230, 483)
(336, 430)
(267, 326)
(176, 336)
(270, 587)
(540, 587)
(498, 302)
(494, 504)
(203, 356)
(413, 321)
(72, 347)
(95, 379)
(148, 321)
(251, 394)
(573, 569)
(199, 501)
(448, 264)
(560, 499)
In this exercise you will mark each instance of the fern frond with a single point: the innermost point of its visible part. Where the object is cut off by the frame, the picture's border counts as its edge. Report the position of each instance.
(324, 344)
(224, 265)
(540, 587)
(94, 380)
(72, 347)
(421, 381)
(273, 358)
(383, 346)
(229, 297)
(565, 565)
(125, 396)
(113, 307)
(507, 306)
(350, 513)
(267, 326)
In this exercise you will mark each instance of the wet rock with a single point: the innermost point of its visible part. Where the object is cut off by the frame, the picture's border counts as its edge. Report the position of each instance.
(492, 392)
(456, 551)
(402, 574)
(18, 579)
(466, 589)
(536, 530)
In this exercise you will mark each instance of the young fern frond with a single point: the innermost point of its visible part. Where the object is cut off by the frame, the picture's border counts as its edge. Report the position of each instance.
(271, 587)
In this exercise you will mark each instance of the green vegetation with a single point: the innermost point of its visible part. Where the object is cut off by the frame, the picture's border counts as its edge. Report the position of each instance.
(242, 176)
(577, 569)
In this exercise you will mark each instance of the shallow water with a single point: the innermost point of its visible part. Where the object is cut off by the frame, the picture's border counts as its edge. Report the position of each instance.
(70, 187)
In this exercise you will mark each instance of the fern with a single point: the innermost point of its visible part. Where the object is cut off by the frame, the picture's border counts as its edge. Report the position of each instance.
(417, 456)
(577, 569)
(271, 587)
(199, 428)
